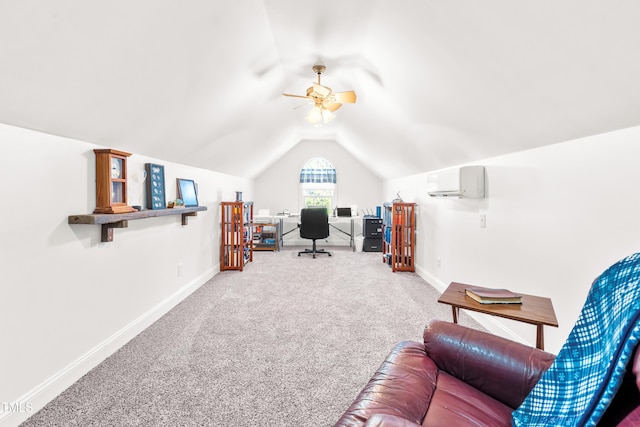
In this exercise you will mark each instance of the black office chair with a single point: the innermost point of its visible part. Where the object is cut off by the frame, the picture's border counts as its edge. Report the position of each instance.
(314, 225)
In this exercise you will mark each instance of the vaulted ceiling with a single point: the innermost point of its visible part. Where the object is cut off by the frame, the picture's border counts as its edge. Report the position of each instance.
(439, 82)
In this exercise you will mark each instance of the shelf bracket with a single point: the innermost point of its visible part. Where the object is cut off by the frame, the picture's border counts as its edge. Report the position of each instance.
(185, 219)
(107, 230)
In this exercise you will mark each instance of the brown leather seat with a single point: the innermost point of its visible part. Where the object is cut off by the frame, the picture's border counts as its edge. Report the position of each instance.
(462, 377)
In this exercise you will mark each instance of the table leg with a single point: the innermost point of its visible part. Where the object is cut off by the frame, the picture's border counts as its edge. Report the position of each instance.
(351, 241)
(455, 310)
(540, 337)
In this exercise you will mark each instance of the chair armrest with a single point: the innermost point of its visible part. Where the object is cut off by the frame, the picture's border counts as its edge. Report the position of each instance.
(503, 369)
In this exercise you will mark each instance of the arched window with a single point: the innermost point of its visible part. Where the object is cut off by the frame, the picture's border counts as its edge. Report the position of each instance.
(318, 184)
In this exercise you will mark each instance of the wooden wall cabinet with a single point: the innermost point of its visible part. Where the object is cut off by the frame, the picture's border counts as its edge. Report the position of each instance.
(236, 247)
(399, 222)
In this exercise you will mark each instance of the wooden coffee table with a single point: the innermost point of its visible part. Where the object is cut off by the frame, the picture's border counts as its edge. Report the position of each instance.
(534, 310)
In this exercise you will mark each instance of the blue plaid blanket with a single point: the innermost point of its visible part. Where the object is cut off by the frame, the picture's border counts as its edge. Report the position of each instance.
(585, 376)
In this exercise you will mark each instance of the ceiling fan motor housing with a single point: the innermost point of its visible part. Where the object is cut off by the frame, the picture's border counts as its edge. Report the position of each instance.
(319, 69)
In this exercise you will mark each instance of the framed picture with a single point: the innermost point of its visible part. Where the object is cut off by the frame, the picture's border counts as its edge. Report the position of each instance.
(187, 192)
(155, 186)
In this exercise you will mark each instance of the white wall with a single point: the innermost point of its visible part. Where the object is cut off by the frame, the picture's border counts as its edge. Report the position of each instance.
(68, 301)
(277, 188)
(556, 217)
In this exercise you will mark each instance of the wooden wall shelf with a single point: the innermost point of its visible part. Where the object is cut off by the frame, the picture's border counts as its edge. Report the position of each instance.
(111, 221)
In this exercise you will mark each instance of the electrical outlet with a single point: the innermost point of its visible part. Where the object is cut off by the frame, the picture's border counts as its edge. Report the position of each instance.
(483, 220)
(179, 269)
(438, 262)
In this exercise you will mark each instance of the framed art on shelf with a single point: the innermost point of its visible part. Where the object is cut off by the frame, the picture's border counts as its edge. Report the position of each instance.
(155, 186)
(187, 192)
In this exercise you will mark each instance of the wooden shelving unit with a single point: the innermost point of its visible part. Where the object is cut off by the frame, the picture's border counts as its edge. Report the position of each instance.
(121, 220)
(236, 248)
(399, 221)
(265, 237)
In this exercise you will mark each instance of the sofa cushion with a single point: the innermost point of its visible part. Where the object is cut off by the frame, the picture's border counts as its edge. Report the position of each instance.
(504, 369)
(456, 403)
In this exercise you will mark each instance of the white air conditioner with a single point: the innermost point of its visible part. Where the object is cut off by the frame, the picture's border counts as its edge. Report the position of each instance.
(465, 181)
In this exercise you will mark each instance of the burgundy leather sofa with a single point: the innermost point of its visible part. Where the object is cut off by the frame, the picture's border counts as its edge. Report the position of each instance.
(465, 377)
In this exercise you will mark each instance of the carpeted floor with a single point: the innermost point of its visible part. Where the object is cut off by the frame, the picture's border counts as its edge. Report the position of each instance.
(289, 341)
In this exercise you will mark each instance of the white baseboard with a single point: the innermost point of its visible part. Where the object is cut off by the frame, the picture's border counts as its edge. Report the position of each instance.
(492, 323)
(35, 399)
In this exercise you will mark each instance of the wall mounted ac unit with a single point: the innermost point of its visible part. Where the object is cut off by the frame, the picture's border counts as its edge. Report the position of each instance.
(465, 181)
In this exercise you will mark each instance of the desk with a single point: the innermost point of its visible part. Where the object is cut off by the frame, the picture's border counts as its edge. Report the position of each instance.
(343, 220)
(533, 310)
(333, 220)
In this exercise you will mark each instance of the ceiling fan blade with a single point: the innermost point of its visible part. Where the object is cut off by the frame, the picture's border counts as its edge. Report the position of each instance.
(295, 96)
(303, 105)
(333, 106)
(348, 97)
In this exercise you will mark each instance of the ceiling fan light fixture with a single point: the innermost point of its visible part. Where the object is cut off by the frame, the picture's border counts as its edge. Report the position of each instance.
(327, 116)
(326, 101)
(318, 116)
(314, 116)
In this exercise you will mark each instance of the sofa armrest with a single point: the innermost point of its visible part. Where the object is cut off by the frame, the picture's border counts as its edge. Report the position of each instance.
(402, 386)
(386, 420)
(503, 369)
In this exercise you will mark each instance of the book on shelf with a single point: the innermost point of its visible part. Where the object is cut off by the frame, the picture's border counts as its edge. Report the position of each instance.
(493, 296)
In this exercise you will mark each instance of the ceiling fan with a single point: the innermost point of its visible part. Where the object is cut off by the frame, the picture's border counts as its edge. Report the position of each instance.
(325, 101)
